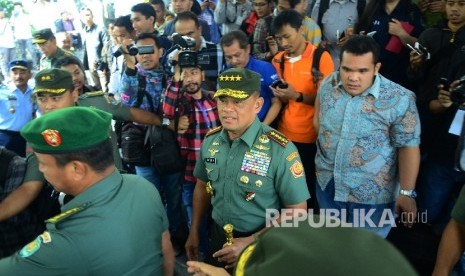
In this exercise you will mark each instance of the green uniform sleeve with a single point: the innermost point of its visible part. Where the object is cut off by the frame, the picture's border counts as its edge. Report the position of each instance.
(118, 110)
(32, 170)
(290, 177)
(52, 254)
(200, 170)
(458, 213)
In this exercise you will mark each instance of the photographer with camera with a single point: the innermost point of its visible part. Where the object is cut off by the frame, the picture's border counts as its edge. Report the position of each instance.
(187, 95)
(444, 43)
(143, 85)
(122, 30)
(210, 56)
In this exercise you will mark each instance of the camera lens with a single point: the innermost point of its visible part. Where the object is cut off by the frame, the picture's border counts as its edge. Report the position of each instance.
(118, 52)
(132, 50)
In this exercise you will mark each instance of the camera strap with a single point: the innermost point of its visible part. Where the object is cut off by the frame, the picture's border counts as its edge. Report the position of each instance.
(141, 93)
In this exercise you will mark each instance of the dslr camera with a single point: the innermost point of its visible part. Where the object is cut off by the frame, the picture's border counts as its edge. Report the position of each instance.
(457, 96)
(134, 50)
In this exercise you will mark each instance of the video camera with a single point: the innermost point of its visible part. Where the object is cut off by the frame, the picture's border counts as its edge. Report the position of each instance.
(134, 50)
(186, 57)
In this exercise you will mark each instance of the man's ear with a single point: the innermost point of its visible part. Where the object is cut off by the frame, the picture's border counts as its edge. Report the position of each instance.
(160, 52)
(79, 170)
(75, 94)
(377, 67)
(258, 104)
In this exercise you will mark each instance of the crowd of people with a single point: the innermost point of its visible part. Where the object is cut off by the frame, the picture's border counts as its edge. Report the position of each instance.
(304, 107)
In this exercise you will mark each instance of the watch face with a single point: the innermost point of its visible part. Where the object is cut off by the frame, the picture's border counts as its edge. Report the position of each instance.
(409, 193)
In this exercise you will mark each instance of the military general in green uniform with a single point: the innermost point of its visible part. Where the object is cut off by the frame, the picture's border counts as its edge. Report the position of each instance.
(47, 44)
(244, 168)
(54, 90)
(115, 225)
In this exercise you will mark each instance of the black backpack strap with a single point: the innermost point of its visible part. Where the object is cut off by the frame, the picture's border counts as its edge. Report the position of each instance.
(317, 75)
(141, 93)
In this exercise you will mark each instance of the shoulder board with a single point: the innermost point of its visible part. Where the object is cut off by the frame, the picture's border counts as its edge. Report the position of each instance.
(278, 138)
(213, 131)
(95, 94)
(65, 215)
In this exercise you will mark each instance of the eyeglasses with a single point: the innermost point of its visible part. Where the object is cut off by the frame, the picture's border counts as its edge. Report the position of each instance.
(259, 4)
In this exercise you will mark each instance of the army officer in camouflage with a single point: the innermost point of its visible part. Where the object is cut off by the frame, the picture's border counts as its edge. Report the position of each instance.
(115, 224)
(244, 168)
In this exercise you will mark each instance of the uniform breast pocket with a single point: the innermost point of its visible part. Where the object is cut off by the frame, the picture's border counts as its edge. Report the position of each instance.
(213, 173)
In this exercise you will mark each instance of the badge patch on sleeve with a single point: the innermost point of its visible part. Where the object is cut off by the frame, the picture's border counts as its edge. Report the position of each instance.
(292, 156)
(30, 248)
(297, 169)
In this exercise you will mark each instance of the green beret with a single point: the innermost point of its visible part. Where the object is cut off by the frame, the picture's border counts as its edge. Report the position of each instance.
(238, 83)
(53, 81)
(41, 36)
(67, 130)
(321, 251)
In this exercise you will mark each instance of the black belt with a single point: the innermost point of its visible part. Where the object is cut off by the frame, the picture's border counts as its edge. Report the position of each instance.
(11, 132)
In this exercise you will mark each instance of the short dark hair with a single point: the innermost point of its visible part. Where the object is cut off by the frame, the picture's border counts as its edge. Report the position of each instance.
(158, 2)
(229, 38)
(151, 36)
(125, 22)
(69, 60)
(98, 157)
(188, 15)
(287, 17)
(145, 9)
(360, 45)
(86, 9)
(293, 3)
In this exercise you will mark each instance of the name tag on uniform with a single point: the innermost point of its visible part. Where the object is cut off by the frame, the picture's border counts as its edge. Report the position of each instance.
(211, 160)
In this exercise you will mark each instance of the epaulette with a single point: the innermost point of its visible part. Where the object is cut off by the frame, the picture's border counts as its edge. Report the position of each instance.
(95, 94)
(278, 138)
(213, 131)
(65, 215)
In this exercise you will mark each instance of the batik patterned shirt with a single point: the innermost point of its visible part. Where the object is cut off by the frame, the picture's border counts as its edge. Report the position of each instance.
(359, 137)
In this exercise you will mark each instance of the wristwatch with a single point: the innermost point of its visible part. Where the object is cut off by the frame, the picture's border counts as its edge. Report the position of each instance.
(300, 98)
(165, 122)
(409, 193)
